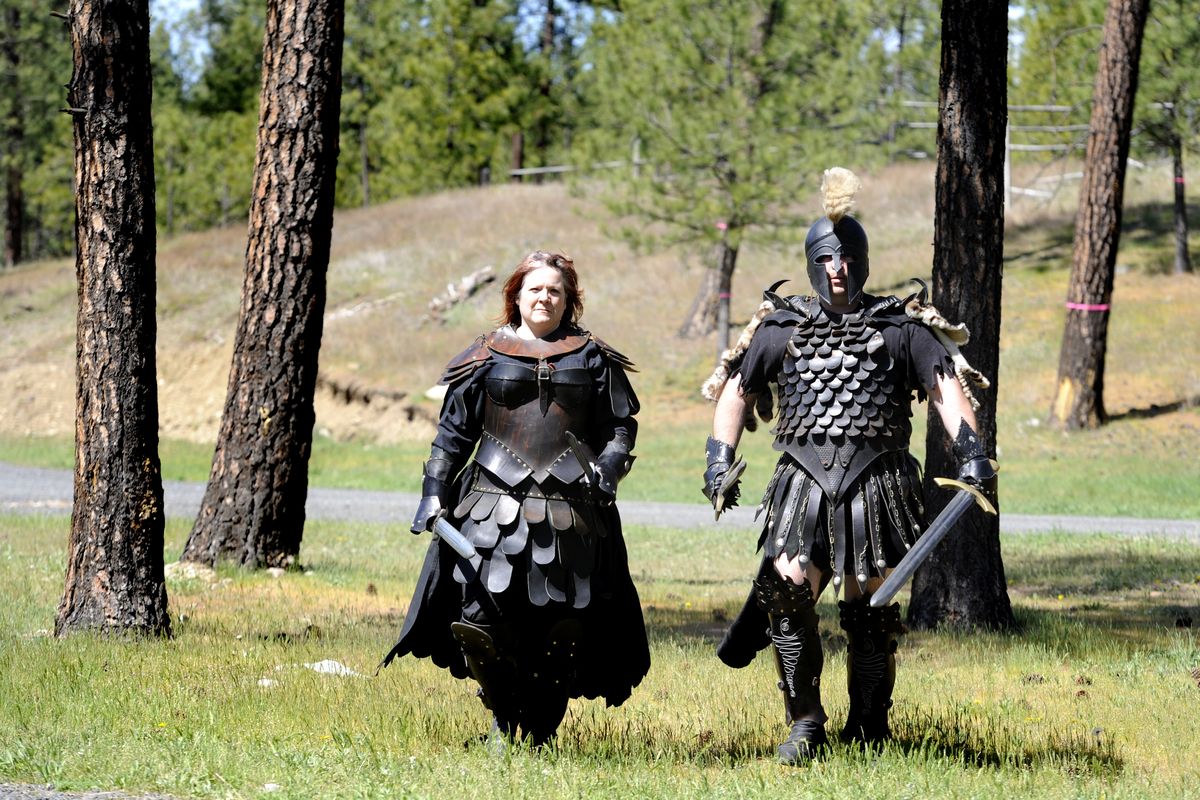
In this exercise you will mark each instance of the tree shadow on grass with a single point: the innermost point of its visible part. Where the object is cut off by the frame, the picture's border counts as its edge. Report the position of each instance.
(1155, 410)
(983, 742)
(1151, 224)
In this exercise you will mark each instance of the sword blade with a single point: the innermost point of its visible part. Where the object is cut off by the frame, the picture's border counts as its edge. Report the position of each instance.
(581, 456)
(451, 536)
(936, 531)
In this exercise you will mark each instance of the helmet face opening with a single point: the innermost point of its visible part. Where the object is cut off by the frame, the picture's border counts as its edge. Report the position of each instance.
(845, 240)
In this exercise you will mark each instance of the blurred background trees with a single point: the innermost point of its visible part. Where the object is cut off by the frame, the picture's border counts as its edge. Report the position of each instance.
(448, 93)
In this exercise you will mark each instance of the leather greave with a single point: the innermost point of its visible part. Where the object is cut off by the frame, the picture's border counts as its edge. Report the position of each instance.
(873, 635)
(791, 611)
(493, 669)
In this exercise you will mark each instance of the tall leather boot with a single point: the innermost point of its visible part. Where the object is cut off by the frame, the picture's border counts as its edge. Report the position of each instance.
(548, 686)
(791, 611)
(494, 670)
(873, 635)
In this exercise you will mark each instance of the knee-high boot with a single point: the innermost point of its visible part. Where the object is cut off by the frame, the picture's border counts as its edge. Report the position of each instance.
(873, 635)
(791, 610)
(495, 671)
(548, 686)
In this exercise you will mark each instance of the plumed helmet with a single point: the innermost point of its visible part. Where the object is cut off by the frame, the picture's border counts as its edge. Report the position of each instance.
(837, 235)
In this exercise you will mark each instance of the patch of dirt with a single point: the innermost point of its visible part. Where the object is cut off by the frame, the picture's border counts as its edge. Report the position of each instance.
(40, 400)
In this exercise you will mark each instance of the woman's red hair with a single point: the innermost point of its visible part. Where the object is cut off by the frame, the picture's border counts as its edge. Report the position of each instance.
(535, 260)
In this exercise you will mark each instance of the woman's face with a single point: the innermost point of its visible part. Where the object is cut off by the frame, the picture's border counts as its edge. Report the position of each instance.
(542, 300)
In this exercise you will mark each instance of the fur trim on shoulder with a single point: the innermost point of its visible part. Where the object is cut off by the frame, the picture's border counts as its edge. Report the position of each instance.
(952, 335)
(711, 390)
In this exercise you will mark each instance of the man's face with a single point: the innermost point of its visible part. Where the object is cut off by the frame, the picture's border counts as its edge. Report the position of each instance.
(836, 265)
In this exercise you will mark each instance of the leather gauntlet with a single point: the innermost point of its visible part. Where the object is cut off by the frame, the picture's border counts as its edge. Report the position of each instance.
(719, 457)
(435, 490)
(613, 464)
(974, 467)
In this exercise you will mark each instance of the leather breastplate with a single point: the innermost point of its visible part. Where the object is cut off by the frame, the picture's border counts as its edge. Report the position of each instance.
(839, 408)
(527, 411)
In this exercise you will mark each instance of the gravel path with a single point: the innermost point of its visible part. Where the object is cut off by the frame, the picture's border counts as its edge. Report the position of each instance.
(31, 791)
(48, 491)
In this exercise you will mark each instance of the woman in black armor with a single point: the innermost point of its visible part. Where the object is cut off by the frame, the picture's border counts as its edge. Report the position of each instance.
(546, 610)
(845, 503)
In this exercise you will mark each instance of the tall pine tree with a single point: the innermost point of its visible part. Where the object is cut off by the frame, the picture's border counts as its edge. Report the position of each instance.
(1168, 102)
(736, 108)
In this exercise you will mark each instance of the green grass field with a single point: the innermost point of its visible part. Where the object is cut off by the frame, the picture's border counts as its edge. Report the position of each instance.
(1092, 698)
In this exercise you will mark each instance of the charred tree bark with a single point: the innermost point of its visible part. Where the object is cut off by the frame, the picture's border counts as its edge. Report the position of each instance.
(1183, 259)
(253, 508)
(1079, 398)
(14, 134)
(114, 578)
(962, 583)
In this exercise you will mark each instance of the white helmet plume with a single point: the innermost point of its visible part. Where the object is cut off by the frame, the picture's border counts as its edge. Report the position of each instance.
(838, 188)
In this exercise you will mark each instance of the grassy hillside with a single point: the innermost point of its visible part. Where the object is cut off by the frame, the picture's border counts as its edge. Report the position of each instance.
(389, 261)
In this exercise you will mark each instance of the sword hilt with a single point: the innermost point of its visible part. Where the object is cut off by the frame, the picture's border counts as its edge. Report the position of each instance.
(453, 537)
(981, 499)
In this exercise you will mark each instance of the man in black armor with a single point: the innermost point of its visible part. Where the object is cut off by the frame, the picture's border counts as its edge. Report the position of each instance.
(844, 503)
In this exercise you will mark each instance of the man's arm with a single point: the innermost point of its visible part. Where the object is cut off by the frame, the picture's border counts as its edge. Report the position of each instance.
(729, 417)
(958, 417)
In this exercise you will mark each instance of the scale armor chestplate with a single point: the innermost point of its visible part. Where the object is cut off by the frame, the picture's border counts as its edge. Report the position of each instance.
(838, 406)
(528, 410)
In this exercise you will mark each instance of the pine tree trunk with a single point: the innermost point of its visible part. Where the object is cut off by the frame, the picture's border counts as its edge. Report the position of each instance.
(14, 134)
(729, 254)
(364, 161)
(1183, 259)
(1079, 399)
(253, 508)
(701, 318)
(114, 578)
(517, 156)
(962, 583)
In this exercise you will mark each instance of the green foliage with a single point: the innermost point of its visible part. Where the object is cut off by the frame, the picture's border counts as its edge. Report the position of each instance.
(900, 64)
(1057, 60)
(35, 138)
(204, 167)
(448, 117)
(232, 76)
(736, 107)
(1168, 112)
